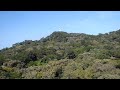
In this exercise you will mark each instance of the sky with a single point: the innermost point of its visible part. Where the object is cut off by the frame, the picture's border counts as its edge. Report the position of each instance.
(17, 26)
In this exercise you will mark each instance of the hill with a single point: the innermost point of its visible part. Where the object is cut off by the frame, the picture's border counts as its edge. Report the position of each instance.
(63, 55)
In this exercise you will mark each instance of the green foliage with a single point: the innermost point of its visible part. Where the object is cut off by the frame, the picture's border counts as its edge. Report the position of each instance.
(71, 55)
(102, 54)
(39, 75)
(64, 55)
(7, 69)
(36, 63)
(58, 73)
(21, 56)
(116, 53)
(80, 50)
(2, 58)
(59, 36)
(14, 75)
(109, 76)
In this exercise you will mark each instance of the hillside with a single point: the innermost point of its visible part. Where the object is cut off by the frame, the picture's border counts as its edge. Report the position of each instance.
(63, 55)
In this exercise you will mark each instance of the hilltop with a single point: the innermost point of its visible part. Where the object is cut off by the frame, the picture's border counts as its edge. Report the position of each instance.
(63, 55)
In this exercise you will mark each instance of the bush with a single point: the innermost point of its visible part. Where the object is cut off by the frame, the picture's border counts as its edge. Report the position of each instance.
(73, 70)
(116, 53)
(71, 55)
(109, 76)
(15, 75)
(2, 58)
(100, 67)
(11, 63)
(58, 73)
(35, 63)
(39, 75)
(102, 54)
(7, 69)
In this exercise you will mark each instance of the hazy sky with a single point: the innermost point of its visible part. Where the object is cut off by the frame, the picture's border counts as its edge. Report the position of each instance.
(17, 26)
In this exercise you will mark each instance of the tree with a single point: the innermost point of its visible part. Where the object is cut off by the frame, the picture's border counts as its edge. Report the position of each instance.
(116, 53)
(1, 59)
(71, 55)
(30, 57)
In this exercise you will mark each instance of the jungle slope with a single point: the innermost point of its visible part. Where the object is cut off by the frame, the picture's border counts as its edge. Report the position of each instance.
(63, 55)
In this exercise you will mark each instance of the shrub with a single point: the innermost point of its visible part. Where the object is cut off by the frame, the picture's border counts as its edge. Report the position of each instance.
(15, 75)
(73, 70)
(58, 73)
(2, 58)
(35, 63)
(71, 55)
(39, 75)
(109, 76)
(102, 54)
(7, 69)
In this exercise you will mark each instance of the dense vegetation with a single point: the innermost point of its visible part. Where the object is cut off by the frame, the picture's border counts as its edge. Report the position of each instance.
(63, 55)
